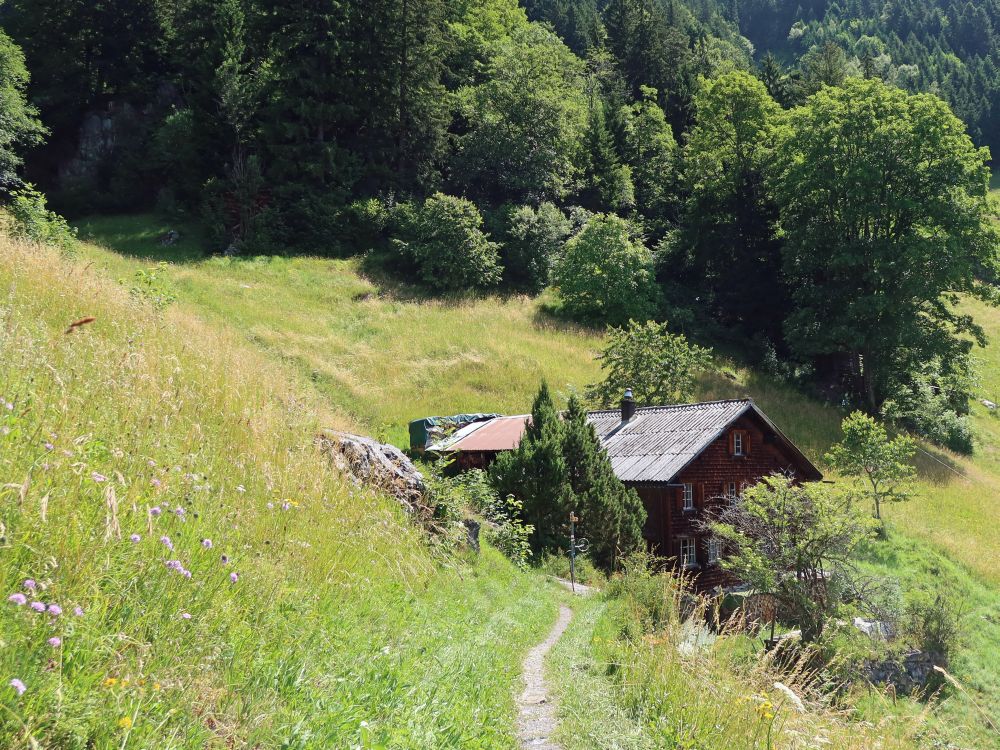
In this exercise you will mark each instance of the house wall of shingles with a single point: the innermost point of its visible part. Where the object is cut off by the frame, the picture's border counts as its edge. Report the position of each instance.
(710, 474)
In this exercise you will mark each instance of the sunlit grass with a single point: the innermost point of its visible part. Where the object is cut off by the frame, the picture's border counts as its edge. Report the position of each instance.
(378, 354)
(339, 629)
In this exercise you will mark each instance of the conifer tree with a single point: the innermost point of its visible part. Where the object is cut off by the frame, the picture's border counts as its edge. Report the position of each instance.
(536, 474)
(611, 515)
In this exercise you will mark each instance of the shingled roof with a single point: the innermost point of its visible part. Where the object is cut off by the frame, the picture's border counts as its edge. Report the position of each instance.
(659, 441)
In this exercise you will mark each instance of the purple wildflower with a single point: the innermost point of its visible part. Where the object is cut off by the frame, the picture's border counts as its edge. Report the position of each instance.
(180, 511)
(167, 543)
(234, 577)
(19, 599)
(155, 482)
(38, 606)
(18, 686)
(270, 506)
(206, 543)
(55, 641)
(152, 463)
(30, 584)
(155, 511)
(78, 611)
(98, 477)
(286, 505)
(174, 565)
(55, 610)
(135, 539)
(186, 573)
(49, 447)
(225, 559)
(185, 616)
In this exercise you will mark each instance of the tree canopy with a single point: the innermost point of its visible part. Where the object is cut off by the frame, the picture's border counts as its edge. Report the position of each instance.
(885, 214)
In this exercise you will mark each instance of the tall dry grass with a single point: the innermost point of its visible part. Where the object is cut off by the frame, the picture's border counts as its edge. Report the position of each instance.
(208, 580)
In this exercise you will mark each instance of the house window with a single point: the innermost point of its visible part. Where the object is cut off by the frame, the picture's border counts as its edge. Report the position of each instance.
(731, 492)
(689, 554)
(738, 444)
(714, 550)
(688, 497)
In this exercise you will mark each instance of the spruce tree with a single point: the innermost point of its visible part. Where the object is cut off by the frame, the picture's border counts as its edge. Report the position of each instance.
(611, 515)
(536, 474)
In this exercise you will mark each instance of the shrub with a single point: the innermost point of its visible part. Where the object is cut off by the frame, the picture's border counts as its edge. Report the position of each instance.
(652, 596)
(606, 273)
(934, 624)
(532, 240)
(557, 565)
(364, 223)
(444, 240)
(31, 220)
(660, 367)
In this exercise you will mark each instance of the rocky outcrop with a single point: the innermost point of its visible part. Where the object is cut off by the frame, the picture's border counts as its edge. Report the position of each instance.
(377, 466)
(908, 673)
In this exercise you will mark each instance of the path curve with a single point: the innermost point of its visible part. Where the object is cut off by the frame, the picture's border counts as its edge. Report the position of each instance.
(536, 711)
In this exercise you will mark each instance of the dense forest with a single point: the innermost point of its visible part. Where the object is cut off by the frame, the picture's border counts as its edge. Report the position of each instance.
(788, 179)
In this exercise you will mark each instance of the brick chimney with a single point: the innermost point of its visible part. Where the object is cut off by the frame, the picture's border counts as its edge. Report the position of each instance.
(628, 406)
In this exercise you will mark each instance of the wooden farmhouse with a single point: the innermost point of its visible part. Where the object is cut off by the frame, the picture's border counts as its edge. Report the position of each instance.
(681, 460)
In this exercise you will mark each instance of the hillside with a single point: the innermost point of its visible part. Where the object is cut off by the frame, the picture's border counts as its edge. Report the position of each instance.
(312, 614)
(390, 355)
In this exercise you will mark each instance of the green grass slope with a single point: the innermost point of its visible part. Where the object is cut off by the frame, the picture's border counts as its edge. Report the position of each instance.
(295, 611)
(381, 354)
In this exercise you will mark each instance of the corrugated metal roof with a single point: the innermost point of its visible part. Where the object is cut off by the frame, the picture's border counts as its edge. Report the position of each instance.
(500, 434)
(659, 441)
(653, 446)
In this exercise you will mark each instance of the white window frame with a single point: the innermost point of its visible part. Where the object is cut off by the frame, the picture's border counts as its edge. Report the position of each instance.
(732, 492)
(714, 550)
(738, 444)
(688, 503)
(688, 552)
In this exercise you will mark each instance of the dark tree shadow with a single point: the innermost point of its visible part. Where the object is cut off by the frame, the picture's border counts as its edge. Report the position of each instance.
(142, 236)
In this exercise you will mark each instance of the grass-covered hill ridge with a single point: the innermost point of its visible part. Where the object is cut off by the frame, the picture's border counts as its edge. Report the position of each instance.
(207, 580)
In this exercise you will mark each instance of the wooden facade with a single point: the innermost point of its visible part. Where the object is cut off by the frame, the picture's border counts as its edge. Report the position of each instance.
(681, 460)
(713, 475)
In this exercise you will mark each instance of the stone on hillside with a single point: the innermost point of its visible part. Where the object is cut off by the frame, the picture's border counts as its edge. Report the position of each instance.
(377, 466)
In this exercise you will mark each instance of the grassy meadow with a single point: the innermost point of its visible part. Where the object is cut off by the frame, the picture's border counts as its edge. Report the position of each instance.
(374, 354)
(206, 579)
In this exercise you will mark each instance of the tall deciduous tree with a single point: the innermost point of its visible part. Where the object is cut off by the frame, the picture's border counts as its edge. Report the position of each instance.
(728, 243)
(526, 120)
(885, 212)
(19, 125)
